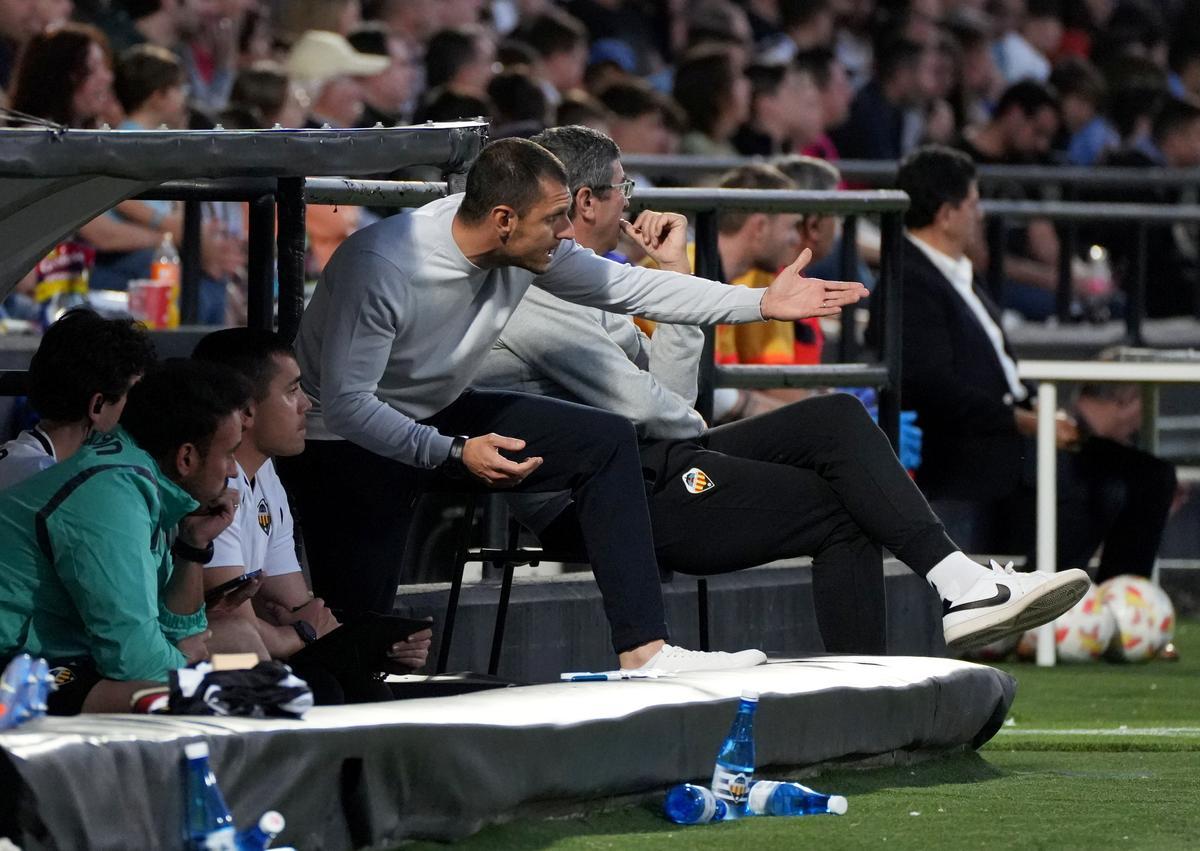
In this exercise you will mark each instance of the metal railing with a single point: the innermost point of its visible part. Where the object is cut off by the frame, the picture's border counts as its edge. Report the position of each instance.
(1059, 184)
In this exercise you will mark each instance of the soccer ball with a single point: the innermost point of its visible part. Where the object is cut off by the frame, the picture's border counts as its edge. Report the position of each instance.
(1144, 615)
(1081, 634)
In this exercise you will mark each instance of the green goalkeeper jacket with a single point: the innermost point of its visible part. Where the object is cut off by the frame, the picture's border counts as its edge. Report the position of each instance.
(84, 557)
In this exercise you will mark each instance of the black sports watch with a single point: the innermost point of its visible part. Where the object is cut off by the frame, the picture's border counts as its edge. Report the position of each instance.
(306, 632)
(453, 467)
(189, 553)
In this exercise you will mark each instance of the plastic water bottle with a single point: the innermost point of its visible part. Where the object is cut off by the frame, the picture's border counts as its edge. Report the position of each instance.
(166, 269)
(209, 822)
(770, 798)
(734, 771)
(1097, 285)
(688, 804)
(258, 838)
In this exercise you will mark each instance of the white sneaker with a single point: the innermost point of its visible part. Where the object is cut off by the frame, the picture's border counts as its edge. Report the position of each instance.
(678, 659)
(1008, 603)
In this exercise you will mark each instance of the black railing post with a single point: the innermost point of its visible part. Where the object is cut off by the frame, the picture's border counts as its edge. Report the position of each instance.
(997, 233)
(848, 349)
(708, 265)
(891, 281)
(260, 264)
(190, 269)
(290, 200)
(1136, 309)
(1066, 252)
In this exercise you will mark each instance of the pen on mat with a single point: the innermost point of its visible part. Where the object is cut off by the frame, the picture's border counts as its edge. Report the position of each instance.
(588, 677)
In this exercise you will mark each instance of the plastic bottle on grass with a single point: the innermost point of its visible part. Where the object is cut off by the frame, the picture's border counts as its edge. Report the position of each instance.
(209, 822)
(734, 771)
(770, 798)
(258, 838)
(689, 804)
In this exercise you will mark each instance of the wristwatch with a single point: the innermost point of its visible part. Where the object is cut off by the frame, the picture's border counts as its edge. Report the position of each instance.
(189, 553)
(453, 467)
(306, 632)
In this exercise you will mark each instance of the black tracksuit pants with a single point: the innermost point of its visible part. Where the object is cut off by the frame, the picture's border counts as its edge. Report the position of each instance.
(815, 478)
(354, 506)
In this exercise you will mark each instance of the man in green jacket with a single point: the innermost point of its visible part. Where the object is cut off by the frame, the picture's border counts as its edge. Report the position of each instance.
(101, 556)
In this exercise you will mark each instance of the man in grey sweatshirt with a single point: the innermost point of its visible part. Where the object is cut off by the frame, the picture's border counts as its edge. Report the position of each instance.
(406, 311)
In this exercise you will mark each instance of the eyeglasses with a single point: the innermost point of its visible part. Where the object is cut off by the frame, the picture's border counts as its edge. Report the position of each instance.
(625, 187)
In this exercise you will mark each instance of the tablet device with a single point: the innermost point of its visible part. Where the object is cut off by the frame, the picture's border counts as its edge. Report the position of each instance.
(213, 594)
(361, 642)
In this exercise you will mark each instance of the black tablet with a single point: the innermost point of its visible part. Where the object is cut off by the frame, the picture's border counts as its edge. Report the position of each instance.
(361, 642)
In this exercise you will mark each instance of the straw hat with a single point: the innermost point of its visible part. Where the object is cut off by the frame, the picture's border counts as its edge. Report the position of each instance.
(318, 55)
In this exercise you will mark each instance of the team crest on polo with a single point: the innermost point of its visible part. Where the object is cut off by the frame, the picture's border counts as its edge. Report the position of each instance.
(264, 517)
(697, 481)
(62, 676)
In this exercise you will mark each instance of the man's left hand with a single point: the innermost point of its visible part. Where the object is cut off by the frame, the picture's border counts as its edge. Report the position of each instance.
(202, 526)
(663, 236)
(413, 651)
(792, 296)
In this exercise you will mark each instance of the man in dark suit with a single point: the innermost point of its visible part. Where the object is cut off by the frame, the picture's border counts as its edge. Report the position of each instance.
(960, 375)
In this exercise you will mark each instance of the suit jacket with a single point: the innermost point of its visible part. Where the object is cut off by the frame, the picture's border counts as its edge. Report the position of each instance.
(953, 379)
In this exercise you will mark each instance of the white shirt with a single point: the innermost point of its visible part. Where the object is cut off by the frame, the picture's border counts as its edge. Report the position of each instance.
(29, 452)
(961, 275)
(261, 534)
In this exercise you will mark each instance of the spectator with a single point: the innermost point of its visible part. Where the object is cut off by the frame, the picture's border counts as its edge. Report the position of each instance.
(412, 20)
(786, 112)
(266, 89)
(715, 97)
(1172, 282)
(89, 541)
(960, 376)
(19, 22)
(78, 379)
(461, 60)
(1087, 134)
(581, 108)
(833, 87)
(51, 13)
(1184, 64)
(1018, 58)
(787, 476)
(519, 105)
(459, 13)
(297, 17)
(745, 242)
(389, 95)
(979, 82)
(208, 48)
(444, 104)
(388, 395)
(806, 24)
(1021, 132)
(285, 617)
(639, 123)
(875, 129)
(64, 75)
(562, 43)
(153, 22)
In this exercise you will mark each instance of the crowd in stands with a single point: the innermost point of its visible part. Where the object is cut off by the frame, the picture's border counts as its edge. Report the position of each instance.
(1010, 81)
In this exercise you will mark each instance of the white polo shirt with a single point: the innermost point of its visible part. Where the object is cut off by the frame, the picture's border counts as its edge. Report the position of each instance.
(29, 452)
(261, 534)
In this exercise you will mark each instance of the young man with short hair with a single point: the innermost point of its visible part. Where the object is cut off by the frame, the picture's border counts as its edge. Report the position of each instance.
(816, 477)
(284, 613)
(79, 377)
(89, 575)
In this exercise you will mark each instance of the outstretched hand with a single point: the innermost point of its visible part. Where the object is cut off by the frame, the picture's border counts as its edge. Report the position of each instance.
(792, 296)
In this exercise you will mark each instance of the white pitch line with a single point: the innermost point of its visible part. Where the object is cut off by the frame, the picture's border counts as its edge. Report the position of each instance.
(1108, 731)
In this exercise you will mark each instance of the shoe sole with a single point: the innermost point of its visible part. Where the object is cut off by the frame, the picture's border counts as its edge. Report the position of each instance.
(1058, 595)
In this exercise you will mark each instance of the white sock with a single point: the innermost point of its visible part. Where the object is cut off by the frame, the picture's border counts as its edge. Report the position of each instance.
(954, 575)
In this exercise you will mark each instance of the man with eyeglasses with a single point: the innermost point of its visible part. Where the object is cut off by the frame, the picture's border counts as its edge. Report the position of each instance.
(813, 478)
(405, 314)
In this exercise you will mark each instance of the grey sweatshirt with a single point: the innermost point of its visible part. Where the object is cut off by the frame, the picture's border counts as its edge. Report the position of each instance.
(554, 348)
(402, 320)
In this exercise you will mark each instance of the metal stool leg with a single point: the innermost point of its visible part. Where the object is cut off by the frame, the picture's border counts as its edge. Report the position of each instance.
(502, 604)
(702, 611)
(460, 565)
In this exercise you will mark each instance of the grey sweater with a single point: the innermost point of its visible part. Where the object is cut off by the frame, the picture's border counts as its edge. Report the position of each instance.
(554, 348)
(402, 320)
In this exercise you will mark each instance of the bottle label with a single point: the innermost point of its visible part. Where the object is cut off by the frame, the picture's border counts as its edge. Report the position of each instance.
(224, 839)
(760, 793)
(731, 785)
